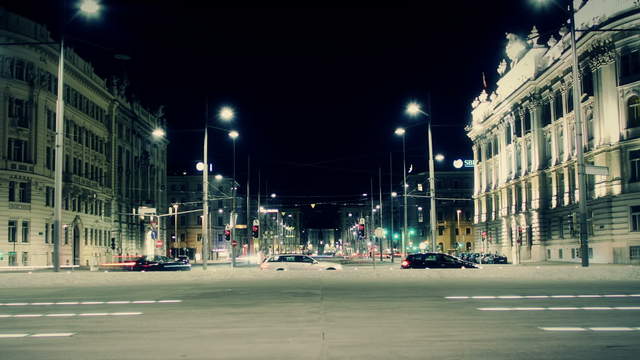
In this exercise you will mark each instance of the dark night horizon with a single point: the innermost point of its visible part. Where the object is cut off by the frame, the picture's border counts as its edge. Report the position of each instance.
(317, 92)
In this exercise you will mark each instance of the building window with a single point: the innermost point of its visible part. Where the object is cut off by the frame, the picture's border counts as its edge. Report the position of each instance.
(527, 121)
(548, 253)
(419, 187)
(440, 230)
(25, 231)
(468, 231)
(46, 233)
(13, 259)
(12, 231)
(573, 253)
(18, 113)
(633, 112)
(630, 64)
(48, 196)
(569, 101)
(25, 258)
(51, 120)
(18, 150)
(557, 104)
(545, 115)
(559, 253)
(199, 220)
(635, 218)
(634, 252)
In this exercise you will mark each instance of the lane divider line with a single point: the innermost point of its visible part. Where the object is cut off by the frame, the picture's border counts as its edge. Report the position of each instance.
(4, 336)
(513, 297)
(53, 335)
(22, 316)
(588, 308)
(603, 329)
(115, 302)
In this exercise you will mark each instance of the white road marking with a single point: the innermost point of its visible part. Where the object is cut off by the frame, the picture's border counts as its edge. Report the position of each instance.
(597, 308)
(68, 303)
(60, 315)
(169, 301)
(53, 335)
(563, 308)
(94, 314)
(5, 315)
(509, 297)
(27, 315)
(42, 303)
(496, 309)
(529, 308)
(92, 302)
(628, 308)
(125, 313)
(116, 302)
(13, 335)
(568, 308)
(611, 329)
(144, 302)
(16, 304)
(562, 329)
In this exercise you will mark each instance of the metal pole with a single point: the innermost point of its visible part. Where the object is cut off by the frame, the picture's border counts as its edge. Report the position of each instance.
(258, 250)
(380, 192)
(404, 195)
(175, 243)
(391, 204)
(233, 208)
(372, 237)
(205, 194)
(582, 183)
(59, 143)
(249, 227)
(432, 189)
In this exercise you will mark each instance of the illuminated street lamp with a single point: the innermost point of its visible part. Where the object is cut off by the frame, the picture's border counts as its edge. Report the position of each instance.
(401, 132)
(414, 109)
(89, 8)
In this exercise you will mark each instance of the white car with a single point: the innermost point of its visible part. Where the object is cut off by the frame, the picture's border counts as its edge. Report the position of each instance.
(292, 262)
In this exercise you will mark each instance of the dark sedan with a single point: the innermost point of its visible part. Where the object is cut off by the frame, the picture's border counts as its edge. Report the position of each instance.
(434, 261)
(155, 263)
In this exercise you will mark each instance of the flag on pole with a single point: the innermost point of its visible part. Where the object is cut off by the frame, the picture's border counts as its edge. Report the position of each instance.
(484, 81)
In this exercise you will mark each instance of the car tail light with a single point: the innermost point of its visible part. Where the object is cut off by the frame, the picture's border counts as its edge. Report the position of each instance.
(405, 263)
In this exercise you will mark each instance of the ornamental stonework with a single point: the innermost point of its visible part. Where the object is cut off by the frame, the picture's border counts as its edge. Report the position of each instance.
(601, 52)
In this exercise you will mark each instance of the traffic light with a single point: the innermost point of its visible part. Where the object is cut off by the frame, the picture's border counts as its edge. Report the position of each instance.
(361, 230)
(113, 244)
(255, 231)
(227, 234)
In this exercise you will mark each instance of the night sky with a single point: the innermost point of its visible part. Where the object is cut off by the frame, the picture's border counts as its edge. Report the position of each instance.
(318, 91)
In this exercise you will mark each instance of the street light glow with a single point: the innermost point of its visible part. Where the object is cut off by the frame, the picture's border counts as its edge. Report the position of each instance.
(413, 109)
(89, 7)
(273, 196)
(158, 133)
(233, 134)
(439, 157)
(218, 177)
(394, 194)
(226, 113)
(400, 131)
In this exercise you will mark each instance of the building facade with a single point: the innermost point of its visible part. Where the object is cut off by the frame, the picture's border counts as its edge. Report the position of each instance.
(95, 204)
(523, 135)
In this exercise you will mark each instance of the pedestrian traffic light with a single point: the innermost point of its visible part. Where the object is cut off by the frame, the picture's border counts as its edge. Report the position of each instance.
(227, 234)
(255, 231)
(361, 230)
(113, 244)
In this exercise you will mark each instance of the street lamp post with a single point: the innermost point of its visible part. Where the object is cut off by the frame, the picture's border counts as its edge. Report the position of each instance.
(88, 7)
(414, 109)
(175, 236)
(401, 132)
(577, 101)
(233, 135)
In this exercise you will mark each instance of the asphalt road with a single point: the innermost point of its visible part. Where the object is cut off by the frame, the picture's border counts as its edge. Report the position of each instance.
(324, 315)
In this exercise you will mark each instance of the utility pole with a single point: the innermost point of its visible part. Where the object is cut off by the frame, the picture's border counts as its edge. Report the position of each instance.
(391, 204)
(380, 192)
(404, 194)
(249, 227)
(577, 111)
(233, 209)
(432, 189)
(372, 238)
(205, 191)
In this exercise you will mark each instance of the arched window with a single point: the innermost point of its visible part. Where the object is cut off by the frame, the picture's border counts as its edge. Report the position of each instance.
(633, 112)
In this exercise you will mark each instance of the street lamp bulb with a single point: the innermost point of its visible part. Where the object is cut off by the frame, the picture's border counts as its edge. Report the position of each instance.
(400, 131)
(218, 177)
(413, 109)
(158, 133)
(226, 113)
(394, 194)
(364, 194)
(439, 157)
(200, 166)
(350, 214)
(220, 211)
(89, 7)
(233, 134)
(273, 196)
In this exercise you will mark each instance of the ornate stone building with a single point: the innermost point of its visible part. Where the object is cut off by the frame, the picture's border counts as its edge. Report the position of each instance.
(524, 142)
(111, 163)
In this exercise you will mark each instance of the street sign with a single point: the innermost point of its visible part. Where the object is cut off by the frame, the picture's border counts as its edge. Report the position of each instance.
(596, 170)
(234, 243)
(158, 243)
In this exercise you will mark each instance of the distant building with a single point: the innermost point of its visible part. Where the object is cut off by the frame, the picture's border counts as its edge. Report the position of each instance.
(112, 165)
(185, 193)
(524, 142)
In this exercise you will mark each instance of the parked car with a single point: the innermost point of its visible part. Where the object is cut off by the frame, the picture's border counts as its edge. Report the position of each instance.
(155, 263)
(434, 261)
(292, 262)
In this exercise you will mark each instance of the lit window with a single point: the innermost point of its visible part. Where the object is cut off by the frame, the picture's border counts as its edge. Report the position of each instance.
(633, 112)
